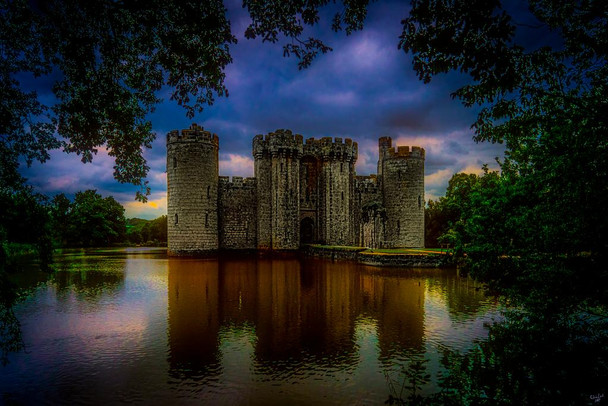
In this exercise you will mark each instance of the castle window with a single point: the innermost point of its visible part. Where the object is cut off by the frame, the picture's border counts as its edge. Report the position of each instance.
(207, 220)
(398, 227)
(419, 201)
(208, 192)
(342, 195)
(176, 220)
(341, 167)
(174, 162)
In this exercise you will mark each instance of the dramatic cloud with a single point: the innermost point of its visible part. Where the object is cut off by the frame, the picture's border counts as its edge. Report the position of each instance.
(364, 89)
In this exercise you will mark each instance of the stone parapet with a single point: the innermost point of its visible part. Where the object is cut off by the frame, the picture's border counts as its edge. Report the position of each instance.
(280, 142)
(237, 182)
(332, 149)
(195, 133)
(366, 184)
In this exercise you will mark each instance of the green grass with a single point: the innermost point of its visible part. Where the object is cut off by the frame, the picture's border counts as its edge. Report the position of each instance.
(338, 247)
(405, 251)
(372, 251)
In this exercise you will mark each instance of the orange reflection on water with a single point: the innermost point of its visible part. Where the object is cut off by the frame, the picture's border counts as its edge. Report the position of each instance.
(298, 309)
(193, 315)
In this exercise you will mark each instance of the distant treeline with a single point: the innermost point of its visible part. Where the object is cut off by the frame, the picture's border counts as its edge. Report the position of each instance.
(147, 232)
(32, 221)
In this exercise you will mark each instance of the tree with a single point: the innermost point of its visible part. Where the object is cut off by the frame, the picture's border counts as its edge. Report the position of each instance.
(24, 225)
(106, 61)
(95, 221)
(443, 214)
(538, 231)
(548, 105)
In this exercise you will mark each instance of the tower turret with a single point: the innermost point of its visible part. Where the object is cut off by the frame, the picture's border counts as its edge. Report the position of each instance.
(277, 171)
(192, 191)
(402, 183)
(336, 162)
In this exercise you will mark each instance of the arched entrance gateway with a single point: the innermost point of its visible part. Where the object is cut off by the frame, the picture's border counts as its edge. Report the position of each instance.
(307, 229)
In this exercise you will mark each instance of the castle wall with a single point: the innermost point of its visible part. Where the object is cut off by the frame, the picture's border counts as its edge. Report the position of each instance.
(192, 174)
(237, 213)
(277, 164)
(335, 171)
(310, 199)
(403, 192)
(369, 230)
(262, 171)
(307, 192)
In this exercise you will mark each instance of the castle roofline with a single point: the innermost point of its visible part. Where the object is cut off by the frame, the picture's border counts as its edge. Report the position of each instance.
(404, 151)
(332, 148)
(195, 133)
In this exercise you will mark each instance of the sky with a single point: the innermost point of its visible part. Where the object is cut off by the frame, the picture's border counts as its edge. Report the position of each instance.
(365, 89)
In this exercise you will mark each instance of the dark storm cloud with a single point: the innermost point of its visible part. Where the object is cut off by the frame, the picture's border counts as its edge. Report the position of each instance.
(364, 89)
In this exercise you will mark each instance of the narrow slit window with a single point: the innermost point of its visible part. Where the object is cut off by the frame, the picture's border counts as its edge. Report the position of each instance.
(341, 167)
(207, 220)
(342, 195)
(174, 162)
(176, 219)
(398, 227)
(419, 201)
(208, 192)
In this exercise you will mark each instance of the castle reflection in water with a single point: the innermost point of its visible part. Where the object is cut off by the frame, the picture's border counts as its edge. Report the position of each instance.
(299, 311)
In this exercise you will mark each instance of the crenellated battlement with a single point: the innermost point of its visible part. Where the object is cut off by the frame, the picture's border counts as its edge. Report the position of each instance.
(385, 142)
(279, 142)
(237, 182)
(303, 191)
(336, 148)
(404, 152)
(195, 133)
(366, 184)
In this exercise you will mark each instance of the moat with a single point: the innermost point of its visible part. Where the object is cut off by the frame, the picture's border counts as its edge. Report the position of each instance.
(132, 325)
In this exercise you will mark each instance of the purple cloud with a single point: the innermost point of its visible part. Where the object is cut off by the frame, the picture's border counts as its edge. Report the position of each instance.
(364, 89)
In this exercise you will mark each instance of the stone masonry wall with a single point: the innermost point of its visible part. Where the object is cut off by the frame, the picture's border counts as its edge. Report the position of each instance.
(277, 168)
(237, 213)
(310, 195)
(192, 173)
(403, 192)
(336, 170)
(298, 187)
(366, 193)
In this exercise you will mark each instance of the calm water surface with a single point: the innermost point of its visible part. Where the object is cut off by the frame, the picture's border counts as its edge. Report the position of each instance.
(133, 326)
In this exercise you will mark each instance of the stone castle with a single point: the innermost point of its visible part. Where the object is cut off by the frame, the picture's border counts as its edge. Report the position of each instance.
(302, 192)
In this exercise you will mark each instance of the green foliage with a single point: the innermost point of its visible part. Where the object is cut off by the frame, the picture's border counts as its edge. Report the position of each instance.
(106, 61)
(148, 232)
(89, 221)
(24, 226)
(544, 218)
(271, 20)
(11, 339)
(24, 233)
(415, 376)
(531, 359)
(444, 213)
(538, 231)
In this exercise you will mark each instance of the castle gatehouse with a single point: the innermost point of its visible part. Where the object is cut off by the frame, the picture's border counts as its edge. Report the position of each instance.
(302, 192)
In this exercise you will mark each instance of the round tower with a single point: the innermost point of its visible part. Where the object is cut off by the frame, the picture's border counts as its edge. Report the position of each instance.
(277, 171)
(403, 194)
(192, 191)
